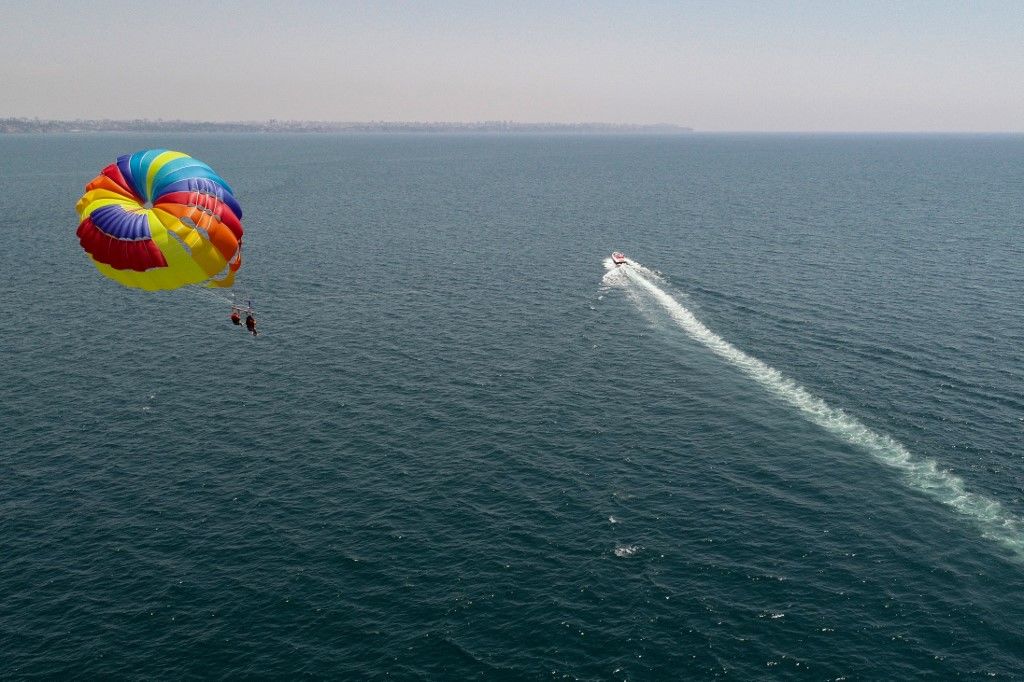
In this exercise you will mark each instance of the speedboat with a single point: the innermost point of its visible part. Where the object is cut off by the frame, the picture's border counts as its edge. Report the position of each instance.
(618, 258)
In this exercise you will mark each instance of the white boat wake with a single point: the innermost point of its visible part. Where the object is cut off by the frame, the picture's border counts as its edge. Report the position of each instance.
(921, 473)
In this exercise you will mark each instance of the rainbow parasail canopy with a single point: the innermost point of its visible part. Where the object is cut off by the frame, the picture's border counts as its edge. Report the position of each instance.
(158, 219)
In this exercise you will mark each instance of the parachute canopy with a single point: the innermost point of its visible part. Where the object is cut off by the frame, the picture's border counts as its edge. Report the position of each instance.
(158, 219)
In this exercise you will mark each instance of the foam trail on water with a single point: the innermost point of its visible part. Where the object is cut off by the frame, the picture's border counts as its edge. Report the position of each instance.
(921, 473)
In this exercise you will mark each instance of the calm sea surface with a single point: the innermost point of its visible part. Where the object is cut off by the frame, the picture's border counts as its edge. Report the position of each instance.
(786, 441)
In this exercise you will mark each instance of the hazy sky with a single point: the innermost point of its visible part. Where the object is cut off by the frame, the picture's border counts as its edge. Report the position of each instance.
(730, 65)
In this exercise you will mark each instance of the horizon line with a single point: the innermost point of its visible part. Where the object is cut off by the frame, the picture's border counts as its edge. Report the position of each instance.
(494, 125)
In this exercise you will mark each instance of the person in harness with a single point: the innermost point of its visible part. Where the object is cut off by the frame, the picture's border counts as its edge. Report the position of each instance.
(236, 318)
(250, 324)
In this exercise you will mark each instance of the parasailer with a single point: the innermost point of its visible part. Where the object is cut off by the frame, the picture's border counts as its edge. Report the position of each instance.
(237, 310)
(160, 219)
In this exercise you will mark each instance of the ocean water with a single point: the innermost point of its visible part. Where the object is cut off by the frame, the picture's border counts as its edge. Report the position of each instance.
(785, 441)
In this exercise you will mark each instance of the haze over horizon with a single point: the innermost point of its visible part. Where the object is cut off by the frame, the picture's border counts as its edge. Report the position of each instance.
(732, 66)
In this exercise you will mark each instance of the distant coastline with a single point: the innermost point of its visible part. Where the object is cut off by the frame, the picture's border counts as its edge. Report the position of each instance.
(37, 125)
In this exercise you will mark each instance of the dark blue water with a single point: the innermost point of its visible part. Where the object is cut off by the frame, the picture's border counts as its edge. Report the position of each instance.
(787, 444)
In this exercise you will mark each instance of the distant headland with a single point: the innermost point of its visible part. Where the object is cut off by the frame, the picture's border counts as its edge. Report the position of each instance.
(37, 125)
